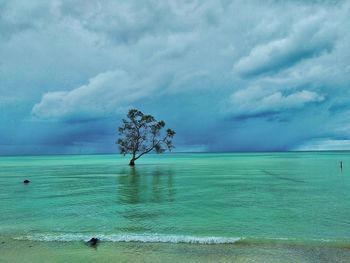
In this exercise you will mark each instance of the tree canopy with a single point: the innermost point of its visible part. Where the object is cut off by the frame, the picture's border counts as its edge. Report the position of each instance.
(141, 134)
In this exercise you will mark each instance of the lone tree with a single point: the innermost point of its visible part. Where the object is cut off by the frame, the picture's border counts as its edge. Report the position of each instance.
(141, 134)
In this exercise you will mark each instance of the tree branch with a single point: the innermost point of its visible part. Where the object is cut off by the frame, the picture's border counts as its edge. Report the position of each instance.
(150, 149)
(153, 146)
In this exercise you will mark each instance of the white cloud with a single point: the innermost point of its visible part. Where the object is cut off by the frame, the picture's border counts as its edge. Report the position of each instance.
(308, 38)
(102, 95)
(323, 144)
(257, 100)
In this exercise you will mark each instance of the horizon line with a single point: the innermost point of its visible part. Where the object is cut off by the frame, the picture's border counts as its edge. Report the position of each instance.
(182, 152)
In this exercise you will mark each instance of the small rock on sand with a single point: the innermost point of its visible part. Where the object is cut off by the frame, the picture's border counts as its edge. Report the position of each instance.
(93, 242)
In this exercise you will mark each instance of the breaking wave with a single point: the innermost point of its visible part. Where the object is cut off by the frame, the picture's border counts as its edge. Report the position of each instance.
(151, 238)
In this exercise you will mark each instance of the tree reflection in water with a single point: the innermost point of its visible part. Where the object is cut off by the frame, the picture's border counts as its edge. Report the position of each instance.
(145, 184)
(144, 195)
(140, 191)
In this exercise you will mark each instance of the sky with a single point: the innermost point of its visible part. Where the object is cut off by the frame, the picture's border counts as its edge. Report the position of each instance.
(225, 75)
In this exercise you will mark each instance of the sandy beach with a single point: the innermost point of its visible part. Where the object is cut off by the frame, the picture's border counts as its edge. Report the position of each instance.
(57, 252)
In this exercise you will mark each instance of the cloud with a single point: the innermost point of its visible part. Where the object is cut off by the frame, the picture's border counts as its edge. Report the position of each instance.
(307, 39)
(103, 94)
(19, 16)
(124, 22)
(257, 102)
(323, 144)
(218, 72)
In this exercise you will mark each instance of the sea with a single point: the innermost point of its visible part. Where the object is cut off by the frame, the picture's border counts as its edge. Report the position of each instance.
(176, 207)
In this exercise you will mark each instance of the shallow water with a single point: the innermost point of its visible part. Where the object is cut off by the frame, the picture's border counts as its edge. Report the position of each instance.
(257, 199)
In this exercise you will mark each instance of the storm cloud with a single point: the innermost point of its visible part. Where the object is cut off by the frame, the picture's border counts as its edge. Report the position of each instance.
(226, 75)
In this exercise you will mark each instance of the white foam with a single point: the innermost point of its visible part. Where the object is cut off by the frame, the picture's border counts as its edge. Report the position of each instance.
(145, 238)
(295, 239)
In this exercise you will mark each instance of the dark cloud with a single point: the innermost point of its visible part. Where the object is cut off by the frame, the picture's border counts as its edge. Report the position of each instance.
(226, 75)
(268, 115)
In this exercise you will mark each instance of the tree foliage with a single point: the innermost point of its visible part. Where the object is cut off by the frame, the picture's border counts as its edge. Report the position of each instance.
(141, 134)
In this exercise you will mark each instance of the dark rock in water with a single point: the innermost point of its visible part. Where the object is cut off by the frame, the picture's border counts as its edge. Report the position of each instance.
(93, 242)
(26, 181)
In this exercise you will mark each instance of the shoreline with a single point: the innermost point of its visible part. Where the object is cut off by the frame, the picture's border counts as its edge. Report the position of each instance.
(77, 251)
(177, 239)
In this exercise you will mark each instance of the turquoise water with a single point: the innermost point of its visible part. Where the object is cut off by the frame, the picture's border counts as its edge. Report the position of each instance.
(178, 198)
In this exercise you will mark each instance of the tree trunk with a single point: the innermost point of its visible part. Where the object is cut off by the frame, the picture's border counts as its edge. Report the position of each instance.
(132, 162)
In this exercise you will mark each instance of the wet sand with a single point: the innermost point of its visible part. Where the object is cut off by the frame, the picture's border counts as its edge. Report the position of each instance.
(54, 252)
